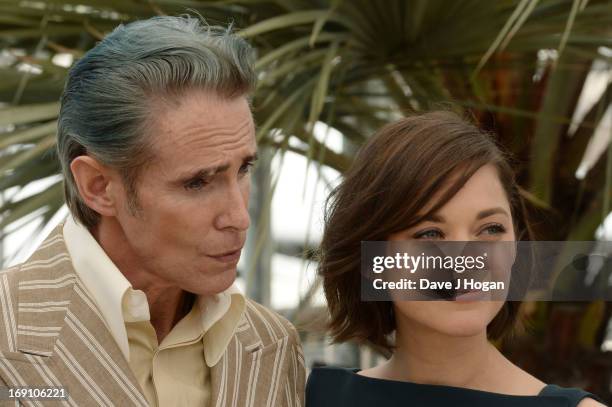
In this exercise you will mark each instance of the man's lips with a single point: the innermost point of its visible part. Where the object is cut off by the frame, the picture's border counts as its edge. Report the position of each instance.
(227, 257)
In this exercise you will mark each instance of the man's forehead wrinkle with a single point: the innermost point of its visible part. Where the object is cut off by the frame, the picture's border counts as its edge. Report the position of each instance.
(207, 134)
(218, 144)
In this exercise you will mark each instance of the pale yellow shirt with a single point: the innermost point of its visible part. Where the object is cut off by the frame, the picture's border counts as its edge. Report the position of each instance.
(177, 371)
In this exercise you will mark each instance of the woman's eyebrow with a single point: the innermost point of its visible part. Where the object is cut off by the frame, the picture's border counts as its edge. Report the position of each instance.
(434, 218)
(492, 211)
(481, 215)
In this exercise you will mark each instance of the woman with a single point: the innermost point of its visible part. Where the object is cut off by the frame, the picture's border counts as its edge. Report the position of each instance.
(428, 177)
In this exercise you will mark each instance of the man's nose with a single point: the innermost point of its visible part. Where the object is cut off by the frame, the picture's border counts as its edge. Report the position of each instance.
(235, 211)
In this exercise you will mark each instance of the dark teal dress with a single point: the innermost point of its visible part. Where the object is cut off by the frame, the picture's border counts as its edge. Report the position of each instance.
(340, 387)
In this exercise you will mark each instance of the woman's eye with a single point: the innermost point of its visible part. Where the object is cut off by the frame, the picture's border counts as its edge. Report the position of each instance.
(496, 229)
(428, 234)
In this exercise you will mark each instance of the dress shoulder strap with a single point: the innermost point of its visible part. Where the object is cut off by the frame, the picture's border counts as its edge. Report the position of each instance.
(571, 394)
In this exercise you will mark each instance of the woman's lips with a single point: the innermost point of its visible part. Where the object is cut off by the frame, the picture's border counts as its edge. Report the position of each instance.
(473, 295)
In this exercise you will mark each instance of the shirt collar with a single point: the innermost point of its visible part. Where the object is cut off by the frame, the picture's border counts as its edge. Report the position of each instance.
(221, 315)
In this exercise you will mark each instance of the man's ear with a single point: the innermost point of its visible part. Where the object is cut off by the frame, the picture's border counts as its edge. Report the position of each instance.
(94, 182)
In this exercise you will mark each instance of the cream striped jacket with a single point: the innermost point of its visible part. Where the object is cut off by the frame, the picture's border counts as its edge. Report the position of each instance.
(52, 334)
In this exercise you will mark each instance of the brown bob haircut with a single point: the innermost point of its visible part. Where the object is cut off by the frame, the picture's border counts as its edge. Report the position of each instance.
(394, 177)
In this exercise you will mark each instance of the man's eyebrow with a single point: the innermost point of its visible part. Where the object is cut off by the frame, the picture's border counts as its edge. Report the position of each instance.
(210, 171)
(204, 172)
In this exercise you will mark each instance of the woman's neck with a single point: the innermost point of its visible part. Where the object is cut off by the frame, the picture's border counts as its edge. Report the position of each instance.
(434, 358)
(428, 357)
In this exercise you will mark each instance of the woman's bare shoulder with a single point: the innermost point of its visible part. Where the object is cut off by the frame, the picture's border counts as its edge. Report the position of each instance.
(590, 403)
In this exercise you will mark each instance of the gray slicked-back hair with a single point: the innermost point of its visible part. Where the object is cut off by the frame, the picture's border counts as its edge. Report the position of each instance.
(107, 101)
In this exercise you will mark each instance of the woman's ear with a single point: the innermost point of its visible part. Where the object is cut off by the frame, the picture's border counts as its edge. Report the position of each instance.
(94, 181)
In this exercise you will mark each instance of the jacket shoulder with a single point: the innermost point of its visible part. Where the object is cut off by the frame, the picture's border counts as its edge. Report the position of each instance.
(10, 277)
(11, 272)
(270, 325)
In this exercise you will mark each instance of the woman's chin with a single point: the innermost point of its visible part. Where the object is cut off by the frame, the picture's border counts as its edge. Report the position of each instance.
(463, 328)
(452, 318)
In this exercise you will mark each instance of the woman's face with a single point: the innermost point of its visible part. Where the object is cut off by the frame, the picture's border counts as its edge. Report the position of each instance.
(480, 211)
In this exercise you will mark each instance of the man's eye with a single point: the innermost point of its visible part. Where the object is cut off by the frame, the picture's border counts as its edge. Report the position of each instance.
(246, 168)
(196, 184)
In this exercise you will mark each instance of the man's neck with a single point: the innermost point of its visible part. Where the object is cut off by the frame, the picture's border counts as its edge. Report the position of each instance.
(160, 302)
(168, 304)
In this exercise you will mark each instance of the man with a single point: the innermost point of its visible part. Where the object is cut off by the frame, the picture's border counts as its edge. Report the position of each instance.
(132, 300)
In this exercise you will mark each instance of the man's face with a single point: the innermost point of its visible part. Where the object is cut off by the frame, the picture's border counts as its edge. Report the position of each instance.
(192, 198)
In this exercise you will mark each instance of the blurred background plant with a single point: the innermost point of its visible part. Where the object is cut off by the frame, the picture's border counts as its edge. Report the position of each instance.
(537, 73)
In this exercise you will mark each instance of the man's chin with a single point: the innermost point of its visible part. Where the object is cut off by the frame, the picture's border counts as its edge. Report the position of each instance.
(214, 283)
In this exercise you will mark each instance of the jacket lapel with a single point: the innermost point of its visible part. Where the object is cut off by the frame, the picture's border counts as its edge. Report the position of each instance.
(251, 369)
(44, 292)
